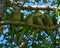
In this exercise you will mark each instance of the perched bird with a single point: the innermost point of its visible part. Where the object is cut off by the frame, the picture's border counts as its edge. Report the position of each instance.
(49, 22)
(48, 19)
(17, 14)
(30, 20)
(40, 22)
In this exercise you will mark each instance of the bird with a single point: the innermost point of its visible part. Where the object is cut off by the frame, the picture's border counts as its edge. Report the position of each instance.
(17, 14)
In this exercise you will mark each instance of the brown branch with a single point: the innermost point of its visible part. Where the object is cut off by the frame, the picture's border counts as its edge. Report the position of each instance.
(39, 8)
(32, 7)
(28, 24)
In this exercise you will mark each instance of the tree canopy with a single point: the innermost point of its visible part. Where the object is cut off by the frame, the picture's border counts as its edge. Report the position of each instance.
(30, 23)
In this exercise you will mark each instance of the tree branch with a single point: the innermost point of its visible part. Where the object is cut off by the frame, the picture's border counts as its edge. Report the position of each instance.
(32, 7)
(39, 8)
(28, 24)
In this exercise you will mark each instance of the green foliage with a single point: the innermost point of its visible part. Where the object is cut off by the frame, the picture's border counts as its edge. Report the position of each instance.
(19, 34)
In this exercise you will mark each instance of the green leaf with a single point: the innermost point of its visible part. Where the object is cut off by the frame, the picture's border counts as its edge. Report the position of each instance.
(24, 30)
(50, 33)
(34, 33)
(30, 30)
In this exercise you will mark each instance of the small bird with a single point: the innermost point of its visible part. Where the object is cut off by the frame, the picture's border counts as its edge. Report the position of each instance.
(40, 22)
(17, 15)
(49, 23)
